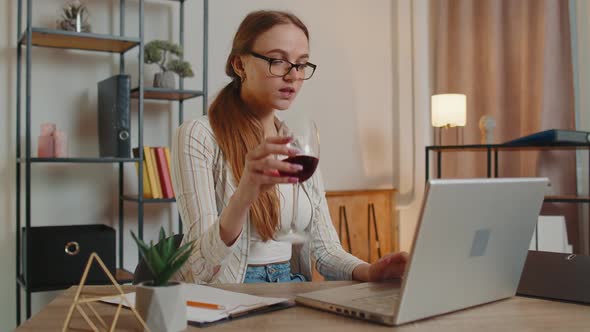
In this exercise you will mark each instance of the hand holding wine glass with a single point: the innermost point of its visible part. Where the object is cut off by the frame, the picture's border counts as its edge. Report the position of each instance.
(305, 140)
(260, 174)
(260, 170)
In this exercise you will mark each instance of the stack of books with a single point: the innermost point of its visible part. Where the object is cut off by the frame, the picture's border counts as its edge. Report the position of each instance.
(157, 182)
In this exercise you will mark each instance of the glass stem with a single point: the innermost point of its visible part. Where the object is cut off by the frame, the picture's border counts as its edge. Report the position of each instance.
(295, 205)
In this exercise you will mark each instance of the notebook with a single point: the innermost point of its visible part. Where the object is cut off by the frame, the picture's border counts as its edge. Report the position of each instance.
(236, 305)
(557, 276)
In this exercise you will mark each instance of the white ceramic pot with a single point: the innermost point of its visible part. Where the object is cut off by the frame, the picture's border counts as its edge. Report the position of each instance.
(165, 80)
(163, 308)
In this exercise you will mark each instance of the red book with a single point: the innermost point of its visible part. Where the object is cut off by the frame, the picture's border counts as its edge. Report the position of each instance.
(164, 173)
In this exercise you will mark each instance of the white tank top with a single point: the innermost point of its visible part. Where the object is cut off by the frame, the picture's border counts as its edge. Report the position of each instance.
(276, 251)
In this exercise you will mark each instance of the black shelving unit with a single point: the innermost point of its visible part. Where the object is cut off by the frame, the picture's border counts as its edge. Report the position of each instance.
(166, 94)
(135, 198)
(44, 37)
(179, 95)
(103, 160)
(492, 156)
(91, 42)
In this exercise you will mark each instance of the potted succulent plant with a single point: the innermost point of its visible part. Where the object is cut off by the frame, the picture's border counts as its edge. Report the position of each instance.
(156, 52)
(160, 302)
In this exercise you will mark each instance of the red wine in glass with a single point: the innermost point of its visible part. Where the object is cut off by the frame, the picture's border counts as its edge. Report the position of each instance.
(308, 163)
(305, 139)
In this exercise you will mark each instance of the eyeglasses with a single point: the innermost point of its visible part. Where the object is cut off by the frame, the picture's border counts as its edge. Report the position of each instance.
(282, 68)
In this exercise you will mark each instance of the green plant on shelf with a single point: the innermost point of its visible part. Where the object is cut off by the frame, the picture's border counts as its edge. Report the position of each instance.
(165, 54)
(164, 258)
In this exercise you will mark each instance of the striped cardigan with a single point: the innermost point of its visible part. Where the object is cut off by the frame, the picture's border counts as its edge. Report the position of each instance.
(203, 184)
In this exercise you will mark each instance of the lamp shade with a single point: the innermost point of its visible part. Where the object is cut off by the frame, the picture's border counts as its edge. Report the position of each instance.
(449, 109)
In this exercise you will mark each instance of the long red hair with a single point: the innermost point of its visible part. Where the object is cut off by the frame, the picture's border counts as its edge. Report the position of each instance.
(236, 128)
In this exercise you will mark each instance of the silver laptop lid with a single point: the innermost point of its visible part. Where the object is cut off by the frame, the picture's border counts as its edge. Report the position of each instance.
(470, 244)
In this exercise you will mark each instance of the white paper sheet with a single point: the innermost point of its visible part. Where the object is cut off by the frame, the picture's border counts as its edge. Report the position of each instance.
(233, 302)
(552, 235)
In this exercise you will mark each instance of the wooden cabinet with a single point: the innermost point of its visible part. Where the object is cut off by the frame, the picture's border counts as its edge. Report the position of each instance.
(356, 205)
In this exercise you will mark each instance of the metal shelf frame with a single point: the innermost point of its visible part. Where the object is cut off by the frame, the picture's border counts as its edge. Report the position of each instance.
(85, 41)
(166, 94)
(492, 156)
(91, 42)
(492, 151)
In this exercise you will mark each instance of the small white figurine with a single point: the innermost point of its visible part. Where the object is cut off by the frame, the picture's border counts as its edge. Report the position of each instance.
(487, 124)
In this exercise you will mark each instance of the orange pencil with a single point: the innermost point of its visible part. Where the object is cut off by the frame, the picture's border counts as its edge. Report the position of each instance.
(204, 305)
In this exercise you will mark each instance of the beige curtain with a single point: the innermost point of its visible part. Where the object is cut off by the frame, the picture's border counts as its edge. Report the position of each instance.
(513, 61)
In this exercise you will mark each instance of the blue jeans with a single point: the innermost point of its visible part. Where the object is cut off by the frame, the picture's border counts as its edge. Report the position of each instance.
(280, 272)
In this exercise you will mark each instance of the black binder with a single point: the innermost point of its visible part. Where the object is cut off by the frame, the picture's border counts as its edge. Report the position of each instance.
(556, 276)
(552, 136)
(114, 123)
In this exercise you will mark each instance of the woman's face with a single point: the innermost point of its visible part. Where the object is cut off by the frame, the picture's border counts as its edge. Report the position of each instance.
(263, 90)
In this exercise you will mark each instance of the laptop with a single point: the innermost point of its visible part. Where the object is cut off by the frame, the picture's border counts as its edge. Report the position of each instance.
(469, 249)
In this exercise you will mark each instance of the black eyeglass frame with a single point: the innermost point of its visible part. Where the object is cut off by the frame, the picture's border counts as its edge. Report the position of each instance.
(293, 65)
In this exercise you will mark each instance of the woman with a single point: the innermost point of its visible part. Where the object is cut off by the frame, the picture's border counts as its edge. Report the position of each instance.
(230, 195)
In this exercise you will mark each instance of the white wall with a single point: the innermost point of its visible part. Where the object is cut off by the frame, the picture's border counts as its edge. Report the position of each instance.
(580, 10)
(350, 97)
(412, 65)
(7, 259)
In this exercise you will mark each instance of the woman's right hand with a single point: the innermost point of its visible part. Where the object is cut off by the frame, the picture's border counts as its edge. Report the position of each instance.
(261, 171)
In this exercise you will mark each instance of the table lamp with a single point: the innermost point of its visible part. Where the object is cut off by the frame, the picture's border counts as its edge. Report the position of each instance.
(448, 110)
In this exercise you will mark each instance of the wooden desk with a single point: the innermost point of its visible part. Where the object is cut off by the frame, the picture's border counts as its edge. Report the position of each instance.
(515, 314)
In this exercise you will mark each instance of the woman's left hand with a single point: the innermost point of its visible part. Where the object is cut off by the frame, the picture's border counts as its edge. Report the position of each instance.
(390, 266)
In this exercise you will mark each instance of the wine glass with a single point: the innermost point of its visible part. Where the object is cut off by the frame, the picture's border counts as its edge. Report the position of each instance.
(305, 140)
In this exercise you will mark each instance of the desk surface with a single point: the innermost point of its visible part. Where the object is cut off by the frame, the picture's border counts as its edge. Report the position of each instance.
(515, 314)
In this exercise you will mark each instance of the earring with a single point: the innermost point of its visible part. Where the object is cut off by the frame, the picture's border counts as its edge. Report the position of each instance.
(242, 78)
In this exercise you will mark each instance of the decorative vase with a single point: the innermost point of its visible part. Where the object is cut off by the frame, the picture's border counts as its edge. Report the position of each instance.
(78, 22)
(487, 124)
(165, 80)
(74, 17)
(163, 308)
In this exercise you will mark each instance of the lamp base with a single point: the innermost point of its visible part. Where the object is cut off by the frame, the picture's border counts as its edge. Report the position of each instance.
(439, 133)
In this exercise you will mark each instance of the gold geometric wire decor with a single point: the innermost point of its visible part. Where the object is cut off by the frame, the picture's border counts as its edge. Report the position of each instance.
(80, 302)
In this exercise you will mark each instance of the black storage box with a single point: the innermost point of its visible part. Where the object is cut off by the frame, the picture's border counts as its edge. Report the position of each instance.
(59, 255)
(557, 276)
